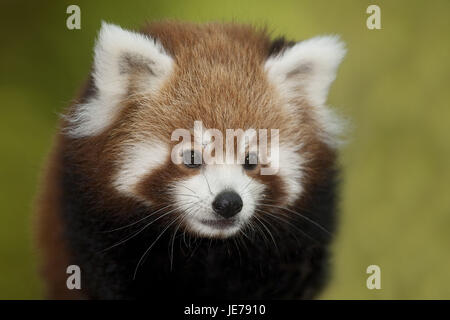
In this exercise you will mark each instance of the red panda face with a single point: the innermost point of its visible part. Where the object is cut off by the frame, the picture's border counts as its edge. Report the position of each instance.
(203, 122)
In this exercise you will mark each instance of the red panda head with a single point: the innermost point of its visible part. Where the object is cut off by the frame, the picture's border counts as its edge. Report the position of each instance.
(149, 129)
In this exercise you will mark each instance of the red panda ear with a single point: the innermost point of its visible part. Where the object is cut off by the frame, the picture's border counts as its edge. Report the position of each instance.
(308, 68)
(120, 54)
(121, 57)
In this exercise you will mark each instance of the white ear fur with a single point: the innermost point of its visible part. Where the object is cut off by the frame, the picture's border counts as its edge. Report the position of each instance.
(308, 68)
(119, 54)
(115, 46)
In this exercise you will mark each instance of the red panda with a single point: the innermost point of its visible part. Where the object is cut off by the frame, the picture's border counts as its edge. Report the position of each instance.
(141, 224)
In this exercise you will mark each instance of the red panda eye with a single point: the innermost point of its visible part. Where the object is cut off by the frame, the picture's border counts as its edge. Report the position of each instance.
(192, 159)
(251, 161)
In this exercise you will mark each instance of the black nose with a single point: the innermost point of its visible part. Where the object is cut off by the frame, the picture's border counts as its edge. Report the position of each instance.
(227, 204)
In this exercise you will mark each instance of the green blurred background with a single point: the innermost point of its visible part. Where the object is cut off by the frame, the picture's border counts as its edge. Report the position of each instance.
(393, 85)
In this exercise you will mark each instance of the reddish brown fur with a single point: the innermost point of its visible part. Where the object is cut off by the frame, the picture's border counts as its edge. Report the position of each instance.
(49, 237)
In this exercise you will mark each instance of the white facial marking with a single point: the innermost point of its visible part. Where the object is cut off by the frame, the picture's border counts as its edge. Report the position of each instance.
(119, 54)
(307, 70)
(137, 161)
(290, 170)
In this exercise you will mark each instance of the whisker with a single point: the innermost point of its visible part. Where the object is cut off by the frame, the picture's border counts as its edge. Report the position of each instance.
(187, 195)
(139, 231)
(242, 232)
(182, 185)
(175, 232)
(280, 218)
(300, 215)
(268, 231)
(173, 242)
(151, 246)
(238, 250)
(247, 185)
(301, 208)
(241, 240)
(195, 248)
(209, 187)
(184, 239)
(261, 232)
(142, 219)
